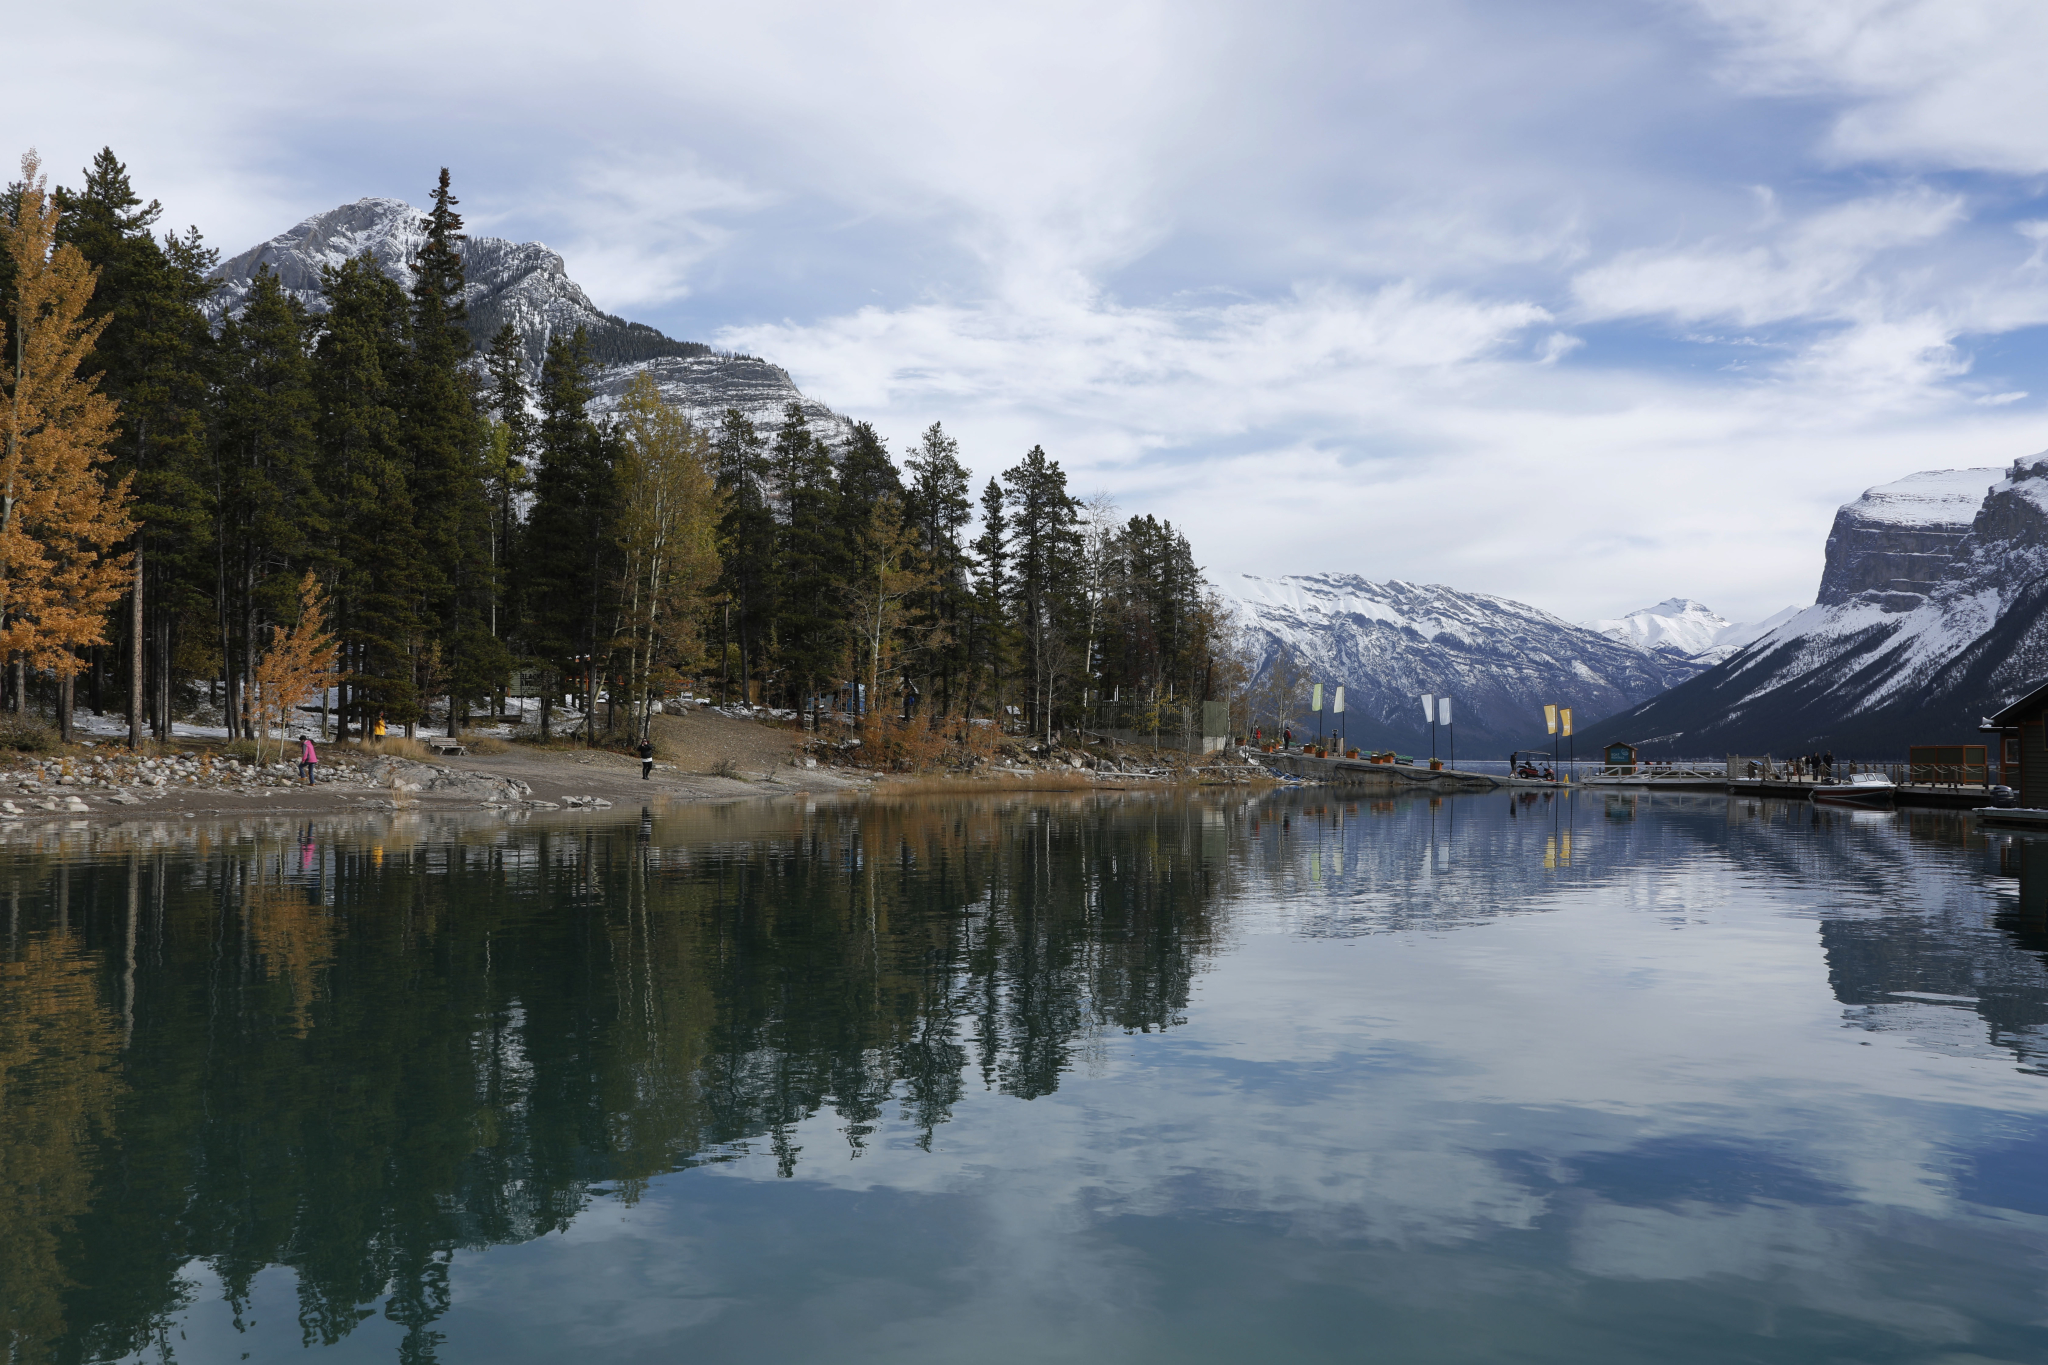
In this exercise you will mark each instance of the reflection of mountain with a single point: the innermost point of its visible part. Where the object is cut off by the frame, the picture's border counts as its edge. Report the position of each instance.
(1950, 973)
(351, 1061)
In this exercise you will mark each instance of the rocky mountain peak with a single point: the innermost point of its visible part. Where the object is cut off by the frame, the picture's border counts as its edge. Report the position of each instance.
(1894, 544)
(527, 285)
(1391, 641)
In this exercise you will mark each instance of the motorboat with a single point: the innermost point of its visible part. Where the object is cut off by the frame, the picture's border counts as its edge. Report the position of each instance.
(1869, 791)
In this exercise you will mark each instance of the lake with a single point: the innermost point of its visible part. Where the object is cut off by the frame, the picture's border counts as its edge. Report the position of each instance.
(1093, 1077)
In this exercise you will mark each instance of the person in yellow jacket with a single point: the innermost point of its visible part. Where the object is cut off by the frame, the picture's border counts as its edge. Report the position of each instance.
(378, 733)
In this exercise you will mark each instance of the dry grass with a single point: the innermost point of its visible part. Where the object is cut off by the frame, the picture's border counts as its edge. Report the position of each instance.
(393, 746)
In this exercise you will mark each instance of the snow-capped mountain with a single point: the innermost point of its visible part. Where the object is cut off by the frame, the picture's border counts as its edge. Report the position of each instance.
(528, 285)
(1932, 611)
(1682, 626)
(1499, 660)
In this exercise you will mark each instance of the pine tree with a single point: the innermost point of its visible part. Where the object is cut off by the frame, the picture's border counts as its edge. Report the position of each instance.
(746, 538)
(449, 444)
(375, 549)
(508, 473)
(154, 358)
(59, 517)
(988, 635)
(568, 547)
(938, 508)
(1047, 545)
(810, 639)
(271, 515)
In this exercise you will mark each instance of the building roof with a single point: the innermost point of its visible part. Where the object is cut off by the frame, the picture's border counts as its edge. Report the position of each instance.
(2034, 701)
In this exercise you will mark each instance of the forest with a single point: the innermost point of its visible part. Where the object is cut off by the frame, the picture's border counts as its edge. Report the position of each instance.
(377, 497)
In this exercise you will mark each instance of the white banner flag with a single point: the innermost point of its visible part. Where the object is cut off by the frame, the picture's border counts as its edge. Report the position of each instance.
(1443, 710)
(1428, 708)
(1317, 704)
(1337, 707)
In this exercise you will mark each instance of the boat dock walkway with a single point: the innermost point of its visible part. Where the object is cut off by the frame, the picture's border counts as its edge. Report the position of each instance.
(1358, 772)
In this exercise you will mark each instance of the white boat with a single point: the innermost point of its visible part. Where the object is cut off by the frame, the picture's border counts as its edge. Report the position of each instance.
(1868, 790)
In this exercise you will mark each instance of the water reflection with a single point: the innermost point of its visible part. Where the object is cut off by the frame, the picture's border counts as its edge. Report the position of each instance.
(1032, 1078)
(352, 1055)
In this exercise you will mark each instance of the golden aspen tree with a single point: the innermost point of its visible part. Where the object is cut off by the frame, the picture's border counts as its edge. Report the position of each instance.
(299, 662)
(59, 517)
(669, 508)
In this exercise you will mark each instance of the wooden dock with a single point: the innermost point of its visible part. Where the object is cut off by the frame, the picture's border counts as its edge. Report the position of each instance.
(1397, 777)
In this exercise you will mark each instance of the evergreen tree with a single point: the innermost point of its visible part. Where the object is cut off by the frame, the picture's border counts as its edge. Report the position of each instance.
(746, 539)
(1047, 545)
(154, 358)
(987, 636)
(270, 515)
(449, 446)
(508, 470)
(568, 545)
(938, 509)
(375, 553)
(810, 639)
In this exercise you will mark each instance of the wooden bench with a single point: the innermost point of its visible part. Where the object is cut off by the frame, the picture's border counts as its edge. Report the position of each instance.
(446, 747)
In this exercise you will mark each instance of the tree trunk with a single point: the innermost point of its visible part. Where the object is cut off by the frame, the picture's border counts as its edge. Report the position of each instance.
(64, 682)
(135, 655)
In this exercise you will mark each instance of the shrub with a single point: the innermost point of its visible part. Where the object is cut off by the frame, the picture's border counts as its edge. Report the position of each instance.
(25, 735)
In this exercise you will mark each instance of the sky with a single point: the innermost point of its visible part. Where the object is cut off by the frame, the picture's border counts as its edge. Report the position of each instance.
(1587, 303)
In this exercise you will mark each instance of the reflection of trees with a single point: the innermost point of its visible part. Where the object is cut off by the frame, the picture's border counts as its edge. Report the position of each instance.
(353, 1059)
(58, 1085)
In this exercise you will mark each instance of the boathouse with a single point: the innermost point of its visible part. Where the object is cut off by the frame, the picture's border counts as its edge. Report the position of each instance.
(1621, 756)
(2022, 730)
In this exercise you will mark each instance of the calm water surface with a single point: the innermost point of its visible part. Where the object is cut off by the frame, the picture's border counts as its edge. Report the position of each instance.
(1047, 1078)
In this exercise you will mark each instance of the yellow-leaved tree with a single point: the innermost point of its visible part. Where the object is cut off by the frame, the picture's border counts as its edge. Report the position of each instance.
(59, 517)
(299, 662)
(668, 522)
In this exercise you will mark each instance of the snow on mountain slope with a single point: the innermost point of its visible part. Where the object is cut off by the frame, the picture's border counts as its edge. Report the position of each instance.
(1682, 626)
(1677, 622)
(527, 285)
(1932, 611)
(1499, 660)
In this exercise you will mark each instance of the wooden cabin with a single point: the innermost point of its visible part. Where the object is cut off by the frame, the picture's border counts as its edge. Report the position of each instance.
(2022, 730)
(1621, 756)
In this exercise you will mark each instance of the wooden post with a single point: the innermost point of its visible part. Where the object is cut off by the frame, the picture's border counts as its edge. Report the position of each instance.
(135, 657)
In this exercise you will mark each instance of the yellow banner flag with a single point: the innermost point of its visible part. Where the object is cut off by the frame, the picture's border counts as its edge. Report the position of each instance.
(1564, 718)
(1550, 719)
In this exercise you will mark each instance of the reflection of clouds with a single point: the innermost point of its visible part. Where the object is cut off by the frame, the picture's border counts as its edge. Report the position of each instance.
(1825, 1259)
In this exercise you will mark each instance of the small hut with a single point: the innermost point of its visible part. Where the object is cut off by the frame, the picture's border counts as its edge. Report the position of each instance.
(1621, 756)
(2022, 730)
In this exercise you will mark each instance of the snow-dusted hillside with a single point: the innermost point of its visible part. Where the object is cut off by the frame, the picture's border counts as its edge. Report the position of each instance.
(1499, 660)
(1682, 626)
(528, 285)
(1930, 614)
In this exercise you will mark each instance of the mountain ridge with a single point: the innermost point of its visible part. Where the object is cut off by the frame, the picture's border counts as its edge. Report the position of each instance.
(1932, 611)
(528, 285)
(1501, 661)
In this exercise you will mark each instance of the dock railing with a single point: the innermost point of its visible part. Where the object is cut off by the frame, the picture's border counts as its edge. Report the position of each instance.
(1766, 768)
(1677, 770)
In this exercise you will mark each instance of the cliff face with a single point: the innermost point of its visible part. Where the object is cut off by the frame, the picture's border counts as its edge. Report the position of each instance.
(1933, 611)
(1499, 660)
(527, 285)
(1901, 540)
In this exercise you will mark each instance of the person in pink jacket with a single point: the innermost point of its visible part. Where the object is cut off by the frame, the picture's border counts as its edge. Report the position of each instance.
(308, 758)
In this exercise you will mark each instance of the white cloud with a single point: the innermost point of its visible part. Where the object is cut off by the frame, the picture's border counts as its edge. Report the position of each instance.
(1814, 267)
(1936, 82)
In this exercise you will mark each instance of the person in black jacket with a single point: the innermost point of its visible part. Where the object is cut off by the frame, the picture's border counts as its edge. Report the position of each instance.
(646, 758)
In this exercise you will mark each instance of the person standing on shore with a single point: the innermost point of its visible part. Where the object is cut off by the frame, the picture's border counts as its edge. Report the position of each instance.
(646, 758)
(309, 758)
(379, 731)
